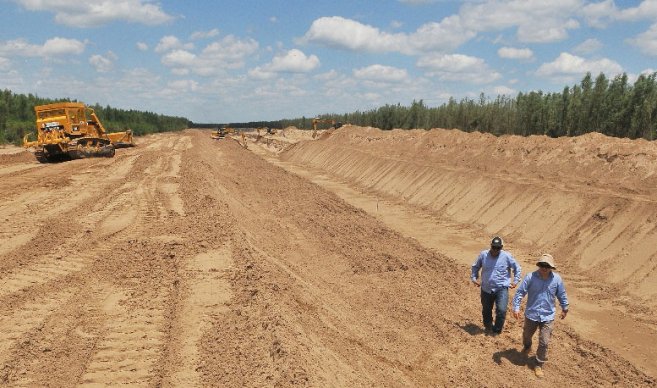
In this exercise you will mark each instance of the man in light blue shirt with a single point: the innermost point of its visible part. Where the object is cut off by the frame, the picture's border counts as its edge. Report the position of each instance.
(541, 287)
(496, 266)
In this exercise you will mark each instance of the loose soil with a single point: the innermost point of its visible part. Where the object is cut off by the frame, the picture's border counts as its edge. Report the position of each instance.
(340, 260)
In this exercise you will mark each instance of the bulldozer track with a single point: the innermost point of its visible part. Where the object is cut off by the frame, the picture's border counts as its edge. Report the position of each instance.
(132, 343)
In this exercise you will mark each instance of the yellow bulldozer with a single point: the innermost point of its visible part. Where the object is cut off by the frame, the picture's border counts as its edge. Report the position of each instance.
(220, 133)
(71, 130)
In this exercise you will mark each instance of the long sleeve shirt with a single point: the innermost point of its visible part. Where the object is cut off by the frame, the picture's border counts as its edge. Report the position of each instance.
(495, 271)
(541, 294)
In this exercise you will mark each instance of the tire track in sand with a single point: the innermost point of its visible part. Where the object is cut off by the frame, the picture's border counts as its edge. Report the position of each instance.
(133, 330)
(206, 292)
(137, 325)
(17, 325)
(132, 345)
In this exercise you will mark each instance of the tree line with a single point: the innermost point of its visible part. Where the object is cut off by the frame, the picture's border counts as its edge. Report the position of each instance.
(612, 107)
(17, 118)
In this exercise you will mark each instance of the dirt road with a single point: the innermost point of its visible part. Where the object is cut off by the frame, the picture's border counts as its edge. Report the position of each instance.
(192, 262)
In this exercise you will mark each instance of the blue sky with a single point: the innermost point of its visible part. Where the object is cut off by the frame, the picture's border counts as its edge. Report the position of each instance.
(247, 60)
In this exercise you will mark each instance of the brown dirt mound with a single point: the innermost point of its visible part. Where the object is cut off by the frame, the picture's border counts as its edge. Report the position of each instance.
(588, 199)
(15, 155)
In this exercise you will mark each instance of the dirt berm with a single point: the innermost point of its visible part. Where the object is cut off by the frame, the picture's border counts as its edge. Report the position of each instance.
(187, 261)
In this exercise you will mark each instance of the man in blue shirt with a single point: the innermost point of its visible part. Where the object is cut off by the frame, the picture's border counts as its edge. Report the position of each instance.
(541, 287)
(496, 266)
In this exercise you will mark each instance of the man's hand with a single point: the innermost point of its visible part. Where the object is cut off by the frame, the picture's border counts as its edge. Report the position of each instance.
(516, 314)
(512, 286)
(564, 313)
(476, 283)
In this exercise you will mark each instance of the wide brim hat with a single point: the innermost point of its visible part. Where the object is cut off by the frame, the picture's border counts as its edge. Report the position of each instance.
(547, 259)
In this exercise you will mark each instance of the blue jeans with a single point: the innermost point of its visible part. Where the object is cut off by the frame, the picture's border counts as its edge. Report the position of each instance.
(500, 299)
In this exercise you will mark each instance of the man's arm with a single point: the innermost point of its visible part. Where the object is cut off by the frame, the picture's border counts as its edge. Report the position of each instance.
(563, 298)
(475, 270)
(520, 293)
(517, 272)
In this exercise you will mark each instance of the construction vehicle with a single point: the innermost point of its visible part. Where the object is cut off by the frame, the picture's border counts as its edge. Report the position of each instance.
(333, 124)
(220, 133)
(71, 130)
(267, 130)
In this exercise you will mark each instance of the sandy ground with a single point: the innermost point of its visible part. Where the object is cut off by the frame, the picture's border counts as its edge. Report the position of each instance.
(341, 261)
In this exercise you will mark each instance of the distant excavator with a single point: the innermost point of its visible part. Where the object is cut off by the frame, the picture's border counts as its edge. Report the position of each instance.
(71, 130)
(331, 122)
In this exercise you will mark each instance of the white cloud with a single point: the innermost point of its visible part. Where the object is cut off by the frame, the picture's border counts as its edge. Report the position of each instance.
(4, 64)
(142, 46)
(170, 42)
(293, 61)
(503, 90)
(103, 64)
(228, 53)
(280, 89)
(179, 58)
(62, 46)
(330, 75)
(514, 53)
(600, 14)
(347, 34)
(52, 47)
(381, 73)
(536, 20)
(447, 35)
(588, 46)
(205, 34)
(646, 41)
(546, 31)
(458, 67)
(261, 74)
(647, 10)
(13, 80)
(91, 13)
(180, 71)
(567, 65)
(185, 85)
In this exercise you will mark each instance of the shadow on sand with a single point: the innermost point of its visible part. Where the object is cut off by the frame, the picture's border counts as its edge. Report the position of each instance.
(513, 355)
(472, 329)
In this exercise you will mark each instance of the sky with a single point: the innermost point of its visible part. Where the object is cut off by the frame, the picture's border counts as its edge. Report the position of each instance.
(220, 61)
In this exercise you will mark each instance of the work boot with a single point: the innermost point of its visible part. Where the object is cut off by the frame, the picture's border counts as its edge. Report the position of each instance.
(539, 372)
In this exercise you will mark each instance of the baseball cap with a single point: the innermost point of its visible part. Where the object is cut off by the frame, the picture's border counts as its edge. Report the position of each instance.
(497, 242)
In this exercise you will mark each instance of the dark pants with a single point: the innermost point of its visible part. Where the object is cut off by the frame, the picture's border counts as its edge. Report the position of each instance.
(544, 333)
(500, 299)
